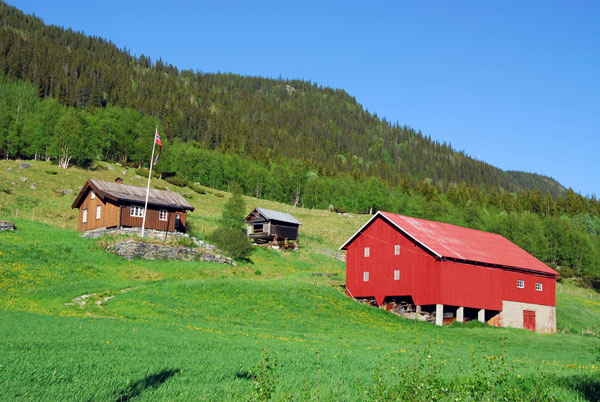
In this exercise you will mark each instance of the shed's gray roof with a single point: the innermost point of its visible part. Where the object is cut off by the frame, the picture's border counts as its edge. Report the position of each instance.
(277, 216)
(124, 192)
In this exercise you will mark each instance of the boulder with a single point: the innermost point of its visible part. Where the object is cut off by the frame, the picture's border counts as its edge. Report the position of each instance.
(23, 179)
(7, 225)
(24, 165)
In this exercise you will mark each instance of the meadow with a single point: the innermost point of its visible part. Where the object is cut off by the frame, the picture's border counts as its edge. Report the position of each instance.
(278, 327)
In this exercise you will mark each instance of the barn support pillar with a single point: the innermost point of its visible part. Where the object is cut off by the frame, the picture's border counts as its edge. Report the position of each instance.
(439, 314)
(481, 315)
(460, 314)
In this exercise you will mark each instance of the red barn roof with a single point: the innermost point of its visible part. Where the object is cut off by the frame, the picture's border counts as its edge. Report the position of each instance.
(458, 243)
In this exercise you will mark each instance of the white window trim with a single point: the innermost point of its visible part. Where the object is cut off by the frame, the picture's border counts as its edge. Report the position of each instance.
(162, 215)
(84, 216)
(93, 195)
(520, 284)
(397, 249)
(98, 211)
(396, 274)
(367, 251)
(136, 211)
(366, 276)
(538, 286)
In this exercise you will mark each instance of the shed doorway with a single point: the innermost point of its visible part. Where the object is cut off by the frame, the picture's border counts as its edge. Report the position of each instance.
(529, 320)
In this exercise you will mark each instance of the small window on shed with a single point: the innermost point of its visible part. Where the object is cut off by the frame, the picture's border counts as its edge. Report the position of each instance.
(365, 277)
(397, 249)
(84, 216)
(367, 251)
(93, 195)
(162, 215)
(520, 283)
(98, 211)
(538, 286)
(397, 275)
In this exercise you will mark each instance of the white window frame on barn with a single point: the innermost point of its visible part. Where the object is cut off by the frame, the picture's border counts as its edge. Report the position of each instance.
(84, 216)
(396, 274)
(136, 211)
(367, 251)
(162, 215)
(520, 284)
(98, 211)
(366, 276)
(93, 195)
(397, 249)
(538, 286)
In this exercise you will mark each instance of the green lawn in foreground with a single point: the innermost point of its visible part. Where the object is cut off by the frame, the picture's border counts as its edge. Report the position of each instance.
(181, 331)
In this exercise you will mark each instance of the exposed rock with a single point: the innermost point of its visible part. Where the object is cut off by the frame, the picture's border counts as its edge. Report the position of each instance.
(130, 249)
(32, 186)
(7, 225)
(80, 188)
(23, 179)
(24, 165)
(111, 167)
(10, 169)
(124, 172)
(66, 192)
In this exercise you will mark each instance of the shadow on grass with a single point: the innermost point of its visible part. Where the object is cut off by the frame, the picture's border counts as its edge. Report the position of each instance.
(587, 386)
(151, 381)
(245, 375)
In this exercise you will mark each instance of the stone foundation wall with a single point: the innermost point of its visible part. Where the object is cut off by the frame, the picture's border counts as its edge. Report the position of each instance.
(130, 249)
(545, 316)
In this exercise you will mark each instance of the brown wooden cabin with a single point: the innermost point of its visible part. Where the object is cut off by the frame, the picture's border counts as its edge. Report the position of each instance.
(266, 225)
(105, 204)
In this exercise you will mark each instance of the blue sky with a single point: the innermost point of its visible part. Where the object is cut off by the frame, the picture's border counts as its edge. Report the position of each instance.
(515, 84)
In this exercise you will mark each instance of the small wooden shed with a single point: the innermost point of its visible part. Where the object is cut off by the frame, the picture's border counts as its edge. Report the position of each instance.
(266, 225)
(104, 204)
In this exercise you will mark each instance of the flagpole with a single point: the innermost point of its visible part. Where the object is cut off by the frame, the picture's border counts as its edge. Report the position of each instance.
(148, 186)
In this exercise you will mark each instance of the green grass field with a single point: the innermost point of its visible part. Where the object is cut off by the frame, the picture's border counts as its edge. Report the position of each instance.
(172, 330)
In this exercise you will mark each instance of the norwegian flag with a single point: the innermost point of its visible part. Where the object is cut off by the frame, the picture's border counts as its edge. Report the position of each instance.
(157, 141)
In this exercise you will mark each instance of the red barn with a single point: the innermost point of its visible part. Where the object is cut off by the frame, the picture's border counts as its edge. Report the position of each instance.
(450, 271)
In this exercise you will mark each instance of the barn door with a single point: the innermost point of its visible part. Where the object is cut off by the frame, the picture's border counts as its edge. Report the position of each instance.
(529, 320)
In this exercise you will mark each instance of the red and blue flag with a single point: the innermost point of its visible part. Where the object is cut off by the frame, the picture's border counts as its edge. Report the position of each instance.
(157, 141)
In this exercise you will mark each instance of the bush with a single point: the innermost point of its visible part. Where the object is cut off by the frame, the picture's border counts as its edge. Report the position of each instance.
(197, 188)
(177, 181)
(144, 173)
(233, 242)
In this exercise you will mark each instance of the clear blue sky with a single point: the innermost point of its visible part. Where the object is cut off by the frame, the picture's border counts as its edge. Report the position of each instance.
(513, 83)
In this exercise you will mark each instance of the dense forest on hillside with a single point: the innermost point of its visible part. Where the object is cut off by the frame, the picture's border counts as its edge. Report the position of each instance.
(264, 119)
(76, 99)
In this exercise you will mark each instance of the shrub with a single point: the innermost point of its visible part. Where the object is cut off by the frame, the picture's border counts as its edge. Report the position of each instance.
(177, 181)
(197, 188)
(232, 241)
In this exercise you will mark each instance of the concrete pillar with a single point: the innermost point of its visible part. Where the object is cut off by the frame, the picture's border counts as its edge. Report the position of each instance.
(439, 314)
(460, 314)
(481, 315)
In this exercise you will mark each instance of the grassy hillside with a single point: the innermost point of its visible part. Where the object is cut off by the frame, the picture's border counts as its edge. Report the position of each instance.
(171, 330)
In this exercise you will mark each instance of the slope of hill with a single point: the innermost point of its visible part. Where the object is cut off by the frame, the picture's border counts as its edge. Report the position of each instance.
(266, 119)
(172, 330)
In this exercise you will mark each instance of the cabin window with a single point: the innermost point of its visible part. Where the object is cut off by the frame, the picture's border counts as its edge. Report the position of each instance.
(367, 253)
(98, 211)
(520, 283)
(93, 195)
(538, 286)
(397, 249)
(84, 216)
(397, 275)
(365, 277)
(136, 211)
(162, 215)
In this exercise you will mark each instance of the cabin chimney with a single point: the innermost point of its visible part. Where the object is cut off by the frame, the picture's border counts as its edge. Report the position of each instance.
(119, 180)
